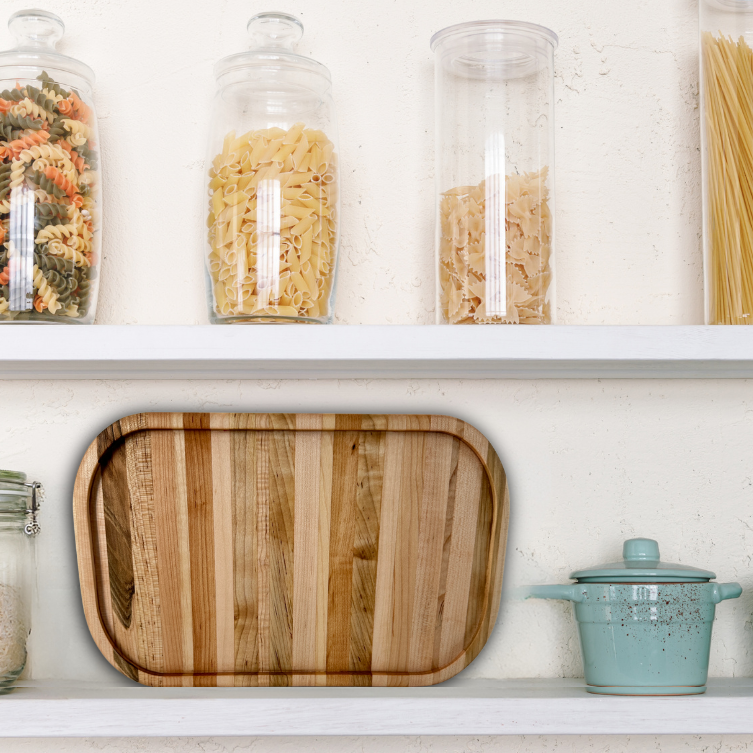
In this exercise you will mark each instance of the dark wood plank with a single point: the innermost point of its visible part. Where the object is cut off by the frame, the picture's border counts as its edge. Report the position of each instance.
(281, 530)
(365, 550)
(117, 506)
(201, 545)
(342, 533)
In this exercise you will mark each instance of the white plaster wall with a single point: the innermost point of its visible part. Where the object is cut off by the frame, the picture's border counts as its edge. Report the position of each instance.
(589, 462)
(628, 199)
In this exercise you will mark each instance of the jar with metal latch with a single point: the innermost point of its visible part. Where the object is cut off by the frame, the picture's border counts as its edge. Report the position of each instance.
(19, 506)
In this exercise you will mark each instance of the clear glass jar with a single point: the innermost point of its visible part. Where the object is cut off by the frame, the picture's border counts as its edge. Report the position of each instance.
(273, 216)
(50, 206)
(726, 56)
(19, 505)
(495, 173)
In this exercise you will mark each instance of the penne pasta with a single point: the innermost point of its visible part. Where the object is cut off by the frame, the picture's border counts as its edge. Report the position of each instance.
(272, 224)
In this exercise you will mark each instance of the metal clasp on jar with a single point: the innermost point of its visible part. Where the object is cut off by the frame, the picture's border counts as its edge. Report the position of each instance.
(37, 497)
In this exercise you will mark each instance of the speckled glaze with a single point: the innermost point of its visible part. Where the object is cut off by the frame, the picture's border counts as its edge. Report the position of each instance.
(642, 637)
(650, 636)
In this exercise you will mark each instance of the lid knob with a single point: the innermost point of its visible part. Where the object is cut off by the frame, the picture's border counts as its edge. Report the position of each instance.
(640, 549)
(275, 30)
(36, 28)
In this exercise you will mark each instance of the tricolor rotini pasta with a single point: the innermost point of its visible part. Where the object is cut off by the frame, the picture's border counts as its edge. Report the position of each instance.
(49, 186)
(273, 225)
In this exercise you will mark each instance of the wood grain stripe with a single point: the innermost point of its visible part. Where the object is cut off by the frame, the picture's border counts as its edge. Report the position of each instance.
(306, 536)
(184, 554)
(222, 509)
(479, 566)
(460, 563)
(365, 550)
(244, 503)
(384, 600)
(437, 472)
(342, 533)
(326, 453)
(406, 555)
(117, 511)
(168, 559)
(262, 554)
(281, 540)
(199, 487)
(138, 450)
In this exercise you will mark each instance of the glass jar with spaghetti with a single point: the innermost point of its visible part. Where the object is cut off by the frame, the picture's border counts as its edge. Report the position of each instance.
(273, 219)
(494, 90)
(726, 53)
(50, 217)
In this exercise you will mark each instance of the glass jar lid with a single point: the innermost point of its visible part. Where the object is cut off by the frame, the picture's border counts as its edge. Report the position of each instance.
(641, 563)
(273, 37)
(37, 32)
(19, 502)
(494, 49)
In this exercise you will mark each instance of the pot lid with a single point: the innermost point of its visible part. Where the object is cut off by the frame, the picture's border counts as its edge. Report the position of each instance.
(273, 37)
(37, 32)
(641, 564)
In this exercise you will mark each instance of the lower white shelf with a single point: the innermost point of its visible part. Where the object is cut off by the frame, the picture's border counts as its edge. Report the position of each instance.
(458, 707)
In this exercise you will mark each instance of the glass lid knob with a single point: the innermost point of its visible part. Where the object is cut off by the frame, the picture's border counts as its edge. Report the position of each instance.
(640, 549)
(36, 28)
(275, 31)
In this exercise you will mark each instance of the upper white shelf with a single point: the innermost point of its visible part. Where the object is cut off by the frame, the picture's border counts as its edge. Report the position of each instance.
(458, 707)
(362, 352)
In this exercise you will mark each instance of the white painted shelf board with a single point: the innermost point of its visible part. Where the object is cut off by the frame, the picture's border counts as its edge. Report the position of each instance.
(458, 707)
(374, 352)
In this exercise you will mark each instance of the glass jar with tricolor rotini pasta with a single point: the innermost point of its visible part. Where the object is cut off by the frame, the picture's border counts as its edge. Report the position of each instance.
(50, 216)
(273, 204)
(494, 173)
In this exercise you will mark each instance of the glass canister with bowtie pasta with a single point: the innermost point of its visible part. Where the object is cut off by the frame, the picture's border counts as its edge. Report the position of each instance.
(273, 183)
(50, 215)
(494, 173)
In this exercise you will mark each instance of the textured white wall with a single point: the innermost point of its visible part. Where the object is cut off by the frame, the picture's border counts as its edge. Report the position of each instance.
(628, 199)
(590, 463)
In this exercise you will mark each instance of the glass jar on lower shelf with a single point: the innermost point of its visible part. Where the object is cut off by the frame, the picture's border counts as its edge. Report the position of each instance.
(49, 179)
(273, 215)
(19, 505)
(495, 173)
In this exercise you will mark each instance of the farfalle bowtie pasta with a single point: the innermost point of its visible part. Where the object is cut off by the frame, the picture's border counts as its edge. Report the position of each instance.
(48, 188)
(272, 225)
(494, 252)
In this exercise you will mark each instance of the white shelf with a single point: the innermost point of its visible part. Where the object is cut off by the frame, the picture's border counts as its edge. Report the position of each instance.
(471, 707)
(369, 352)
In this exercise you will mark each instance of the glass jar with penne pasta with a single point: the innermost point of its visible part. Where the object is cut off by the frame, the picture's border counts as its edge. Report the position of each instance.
(50, 217)
(494, 89)
(273, 187)
(727, 158)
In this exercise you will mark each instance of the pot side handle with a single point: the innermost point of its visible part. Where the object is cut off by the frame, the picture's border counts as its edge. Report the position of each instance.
(568, 593)
(724, 591)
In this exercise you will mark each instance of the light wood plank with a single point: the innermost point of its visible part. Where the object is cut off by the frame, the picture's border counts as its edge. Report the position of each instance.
(305, 538)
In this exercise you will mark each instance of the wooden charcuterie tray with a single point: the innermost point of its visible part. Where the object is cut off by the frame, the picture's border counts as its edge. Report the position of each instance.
(273, 549)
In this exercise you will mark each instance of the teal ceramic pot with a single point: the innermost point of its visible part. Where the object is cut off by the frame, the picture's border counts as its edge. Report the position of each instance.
(645, 625)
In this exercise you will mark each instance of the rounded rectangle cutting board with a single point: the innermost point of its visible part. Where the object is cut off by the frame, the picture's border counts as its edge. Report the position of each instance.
(245, 549)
